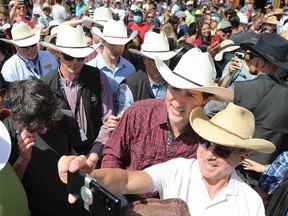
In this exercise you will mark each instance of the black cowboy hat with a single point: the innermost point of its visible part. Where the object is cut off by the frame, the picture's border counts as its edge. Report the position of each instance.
(272, 47)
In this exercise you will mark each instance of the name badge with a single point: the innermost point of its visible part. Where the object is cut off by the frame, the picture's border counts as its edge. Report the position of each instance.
(83, 135)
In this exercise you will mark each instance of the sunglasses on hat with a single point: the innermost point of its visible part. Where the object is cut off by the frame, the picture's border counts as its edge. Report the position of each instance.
(220, 151)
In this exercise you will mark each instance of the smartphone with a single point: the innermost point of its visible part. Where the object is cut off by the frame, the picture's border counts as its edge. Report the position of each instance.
(95, 198)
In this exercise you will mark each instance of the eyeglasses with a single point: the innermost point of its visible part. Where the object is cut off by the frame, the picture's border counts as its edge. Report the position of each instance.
(220, 151)
(71, 58)
(149, 17)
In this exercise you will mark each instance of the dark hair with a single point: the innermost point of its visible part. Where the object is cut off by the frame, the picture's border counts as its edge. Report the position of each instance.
(235, 21)
(34, 105)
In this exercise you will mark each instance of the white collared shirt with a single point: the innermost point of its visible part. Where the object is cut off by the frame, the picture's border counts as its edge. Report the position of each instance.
(181, 178)
(16, 69)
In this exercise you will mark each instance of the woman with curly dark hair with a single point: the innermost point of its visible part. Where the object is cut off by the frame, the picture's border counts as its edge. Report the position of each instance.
(40, 135)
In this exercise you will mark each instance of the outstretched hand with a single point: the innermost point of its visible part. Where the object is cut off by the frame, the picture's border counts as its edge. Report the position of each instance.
(75, 163)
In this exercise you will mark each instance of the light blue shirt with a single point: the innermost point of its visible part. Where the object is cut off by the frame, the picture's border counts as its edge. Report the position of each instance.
(124, 97)
(16, 68)
(242, 75)
(115, 76)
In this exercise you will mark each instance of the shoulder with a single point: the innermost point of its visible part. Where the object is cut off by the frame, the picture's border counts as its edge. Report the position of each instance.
(148, 105)
(11, 61)
(135, 77)
(127, 64)
(246, 191)
(50, 78)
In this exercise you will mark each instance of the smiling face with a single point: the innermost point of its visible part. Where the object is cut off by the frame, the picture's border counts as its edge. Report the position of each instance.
(215, 168)
(179, 104)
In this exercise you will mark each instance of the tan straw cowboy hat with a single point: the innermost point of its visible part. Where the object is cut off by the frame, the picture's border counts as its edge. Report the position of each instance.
(232, 127)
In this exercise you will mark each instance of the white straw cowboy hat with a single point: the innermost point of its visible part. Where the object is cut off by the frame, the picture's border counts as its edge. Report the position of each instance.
(195, 71)
(23, 35)
(232, 127)
(71, 41)
(155, 44)
(114, 32)
(5, 145)
(225, 46)
(102, 15)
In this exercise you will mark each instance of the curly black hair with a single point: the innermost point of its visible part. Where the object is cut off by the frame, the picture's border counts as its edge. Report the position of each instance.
(34, 105)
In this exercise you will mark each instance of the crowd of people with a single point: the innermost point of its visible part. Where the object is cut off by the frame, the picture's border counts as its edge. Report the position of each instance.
(156, 100)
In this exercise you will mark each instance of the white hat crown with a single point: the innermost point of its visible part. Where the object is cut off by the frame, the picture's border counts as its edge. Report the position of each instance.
(155, 42)
(21, 31)
(197, 67)
(71, 37)
(102, 14)
(115, 29)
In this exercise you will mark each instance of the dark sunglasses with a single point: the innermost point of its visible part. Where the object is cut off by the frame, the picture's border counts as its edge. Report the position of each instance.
(21, 7)
(71, 58)
(220, 151)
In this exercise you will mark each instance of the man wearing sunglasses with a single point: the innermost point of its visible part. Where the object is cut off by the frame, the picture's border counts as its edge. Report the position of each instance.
(29, 61)
(153, 131)
(209, 184)
(83, 90)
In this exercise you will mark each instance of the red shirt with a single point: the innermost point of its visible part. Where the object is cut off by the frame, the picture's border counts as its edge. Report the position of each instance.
(140, 140)
(141, 28)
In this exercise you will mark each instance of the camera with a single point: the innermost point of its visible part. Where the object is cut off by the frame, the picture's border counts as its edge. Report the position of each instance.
(94, 197)
(239, 55)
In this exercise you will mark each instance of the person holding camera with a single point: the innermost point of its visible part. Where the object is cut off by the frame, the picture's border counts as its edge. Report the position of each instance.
(208, 184)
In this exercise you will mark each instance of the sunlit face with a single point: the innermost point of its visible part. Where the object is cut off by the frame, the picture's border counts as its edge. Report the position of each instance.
(179, 104)
(29, 53)
(215, 168)
(21, 10)
(205, 30)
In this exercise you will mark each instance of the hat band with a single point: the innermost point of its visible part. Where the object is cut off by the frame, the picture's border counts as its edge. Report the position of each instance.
(24, 38)
(191, 81)
(227, 131)
(72, 47)
(155, 51)
(226, 46)
(111, 36)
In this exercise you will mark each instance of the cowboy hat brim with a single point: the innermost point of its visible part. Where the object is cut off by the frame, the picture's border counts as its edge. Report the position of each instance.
(208, 131)
(265, 55)
(219, 55)
(80, 52)
(111, 39)
(32, 40)
(164, 56)
(5, 145)
(177, 81)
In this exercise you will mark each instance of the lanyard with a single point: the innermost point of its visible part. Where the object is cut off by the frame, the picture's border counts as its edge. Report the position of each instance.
(78, 98)
(36, 72)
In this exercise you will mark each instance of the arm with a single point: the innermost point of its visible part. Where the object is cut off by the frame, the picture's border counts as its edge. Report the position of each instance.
(121, 181)
(25, 142)
(117, 181)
